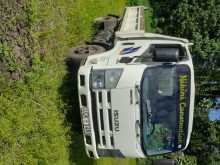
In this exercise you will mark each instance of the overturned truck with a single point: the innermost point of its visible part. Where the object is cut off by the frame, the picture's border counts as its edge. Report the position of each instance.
(136, 89)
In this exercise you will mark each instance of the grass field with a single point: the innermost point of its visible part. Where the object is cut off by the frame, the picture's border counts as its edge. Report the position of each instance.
(39, 118)
(39, 115)
(58, 39)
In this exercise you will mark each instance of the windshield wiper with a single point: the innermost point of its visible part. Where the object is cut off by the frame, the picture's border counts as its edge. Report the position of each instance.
(149, 125)
(137, 93)
(149, 114)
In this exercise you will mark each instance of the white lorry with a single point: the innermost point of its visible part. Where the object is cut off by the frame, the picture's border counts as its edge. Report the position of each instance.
(137, 99)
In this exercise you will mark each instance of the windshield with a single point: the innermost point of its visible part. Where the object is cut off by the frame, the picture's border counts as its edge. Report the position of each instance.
(162, 116)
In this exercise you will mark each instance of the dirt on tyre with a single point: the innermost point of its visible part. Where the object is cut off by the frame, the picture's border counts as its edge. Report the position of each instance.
(106, 23)
(77, 54)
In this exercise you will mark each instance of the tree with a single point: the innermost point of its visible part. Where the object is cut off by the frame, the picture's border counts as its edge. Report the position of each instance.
(198, 21)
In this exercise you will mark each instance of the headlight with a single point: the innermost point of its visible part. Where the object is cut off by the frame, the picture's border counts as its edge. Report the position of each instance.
(112, 77)
(98, 79)
(105, 78)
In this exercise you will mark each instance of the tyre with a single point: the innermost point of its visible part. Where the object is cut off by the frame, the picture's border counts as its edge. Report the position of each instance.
(105, 28)
(77, 54)
(106, 23)
(104, 39)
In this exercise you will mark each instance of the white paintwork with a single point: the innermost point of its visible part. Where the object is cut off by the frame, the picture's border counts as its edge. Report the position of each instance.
(132, 22)
(126, 140)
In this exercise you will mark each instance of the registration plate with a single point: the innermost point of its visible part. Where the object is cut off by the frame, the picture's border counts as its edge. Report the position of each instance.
(86, 121)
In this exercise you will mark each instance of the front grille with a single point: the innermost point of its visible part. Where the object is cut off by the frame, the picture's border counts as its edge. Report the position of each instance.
(102, 118)
(83, 100)
(110, 119)
(94, 116)
(82, 80)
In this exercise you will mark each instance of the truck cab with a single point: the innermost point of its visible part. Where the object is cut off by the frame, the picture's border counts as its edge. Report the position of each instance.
(137, 99)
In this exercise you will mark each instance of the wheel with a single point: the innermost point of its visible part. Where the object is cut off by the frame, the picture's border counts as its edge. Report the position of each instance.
(165, 162)
(106, 23)
(77, 54)
(105, 28)
(104, 39)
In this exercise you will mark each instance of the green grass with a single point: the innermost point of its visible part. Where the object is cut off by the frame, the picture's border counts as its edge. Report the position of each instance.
(113, 161)
(39, 114)
(148, 17)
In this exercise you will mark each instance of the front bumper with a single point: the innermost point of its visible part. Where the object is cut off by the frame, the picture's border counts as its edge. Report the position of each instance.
(86, 111)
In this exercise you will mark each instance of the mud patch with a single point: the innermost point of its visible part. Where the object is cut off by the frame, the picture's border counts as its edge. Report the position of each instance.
(16, 42)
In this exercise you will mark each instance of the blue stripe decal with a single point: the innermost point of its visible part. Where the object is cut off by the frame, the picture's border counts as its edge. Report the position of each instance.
(129, 50)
